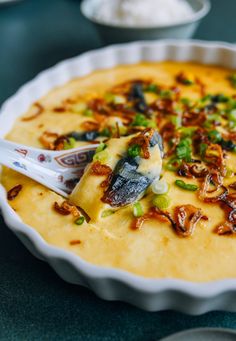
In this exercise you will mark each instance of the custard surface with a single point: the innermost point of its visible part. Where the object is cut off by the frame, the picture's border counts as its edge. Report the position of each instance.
(154, 251)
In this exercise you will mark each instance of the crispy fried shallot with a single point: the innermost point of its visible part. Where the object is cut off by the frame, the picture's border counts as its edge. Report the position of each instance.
(202, 86)
(233, 185)
(216, 193)
(90, 125)
(153, 213)
(214, 157)
(193, 118)
(193, 171)
(186, 217)
(47, 139)
(99, 169)
(168, 131)
(226, 229)
(59, 143)
(38, 111)
(13, 192)
(66, 208)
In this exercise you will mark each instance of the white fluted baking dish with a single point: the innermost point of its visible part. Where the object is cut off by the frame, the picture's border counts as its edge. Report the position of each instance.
(110, 283)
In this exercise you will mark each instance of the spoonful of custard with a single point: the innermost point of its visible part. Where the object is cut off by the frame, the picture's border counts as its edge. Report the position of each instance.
(95, 177)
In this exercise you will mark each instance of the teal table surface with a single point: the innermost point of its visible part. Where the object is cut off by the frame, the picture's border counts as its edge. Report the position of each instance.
(35, 304)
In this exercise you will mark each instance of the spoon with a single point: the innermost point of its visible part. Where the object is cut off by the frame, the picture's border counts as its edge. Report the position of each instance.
(57, 170)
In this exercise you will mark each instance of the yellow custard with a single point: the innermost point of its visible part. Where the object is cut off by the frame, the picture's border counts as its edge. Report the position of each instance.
(155, 250)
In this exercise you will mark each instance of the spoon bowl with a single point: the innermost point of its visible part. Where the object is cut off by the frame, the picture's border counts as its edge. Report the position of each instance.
(58, 170)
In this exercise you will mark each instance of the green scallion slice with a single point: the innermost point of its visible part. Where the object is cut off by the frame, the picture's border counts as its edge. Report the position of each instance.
(202, 149)
(101, 147)
(88, 113)
(140, 121)
(173, 164)
(166, 94)
(187, 187)
(215, 136)
(106, 132)
(107, 213)
(184, 150)
(161, 201)
(232, 115)
(137, 210)
(176, 120)
(80, 220)
(151, 88)
(69, 144)
(187, 131)
(102, 157)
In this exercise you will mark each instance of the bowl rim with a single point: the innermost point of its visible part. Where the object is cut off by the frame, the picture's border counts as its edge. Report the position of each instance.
(196, 16)
(206, 329)
(49, 253)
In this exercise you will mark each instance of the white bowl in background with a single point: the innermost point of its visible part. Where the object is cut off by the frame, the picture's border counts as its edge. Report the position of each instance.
(111, 283)
(112, 33)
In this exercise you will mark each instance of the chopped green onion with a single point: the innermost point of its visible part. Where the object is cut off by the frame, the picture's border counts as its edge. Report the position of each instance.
(100, 148)
(105, 132)
(137, 210)
(232, 79)
(214, 136)
(187, 187)
(107, 213)
(151, 124)
(134, 150)
(206, 98)
(232, 103)
(69, 144)
(160, 186)
(213, 118)
(173, 164)
(166, 94)
(187, 82)
(151, 88)
(88, 113)
(187, 131)
(140, 120)
(80, 220)
(102, 157)
(232, 125)
(161, 201)
(232, 115)
(176, 120)
(186, 101)
(184, 150)
(202, 149)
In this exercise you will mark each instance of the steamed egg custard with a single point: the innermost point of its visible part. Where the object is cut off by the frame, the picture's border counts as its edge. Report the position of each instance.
(159, 196)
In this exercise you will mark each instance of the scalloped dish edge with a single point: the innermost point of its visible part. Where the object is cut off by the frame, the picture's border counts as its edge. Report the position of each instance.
(110, 283)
